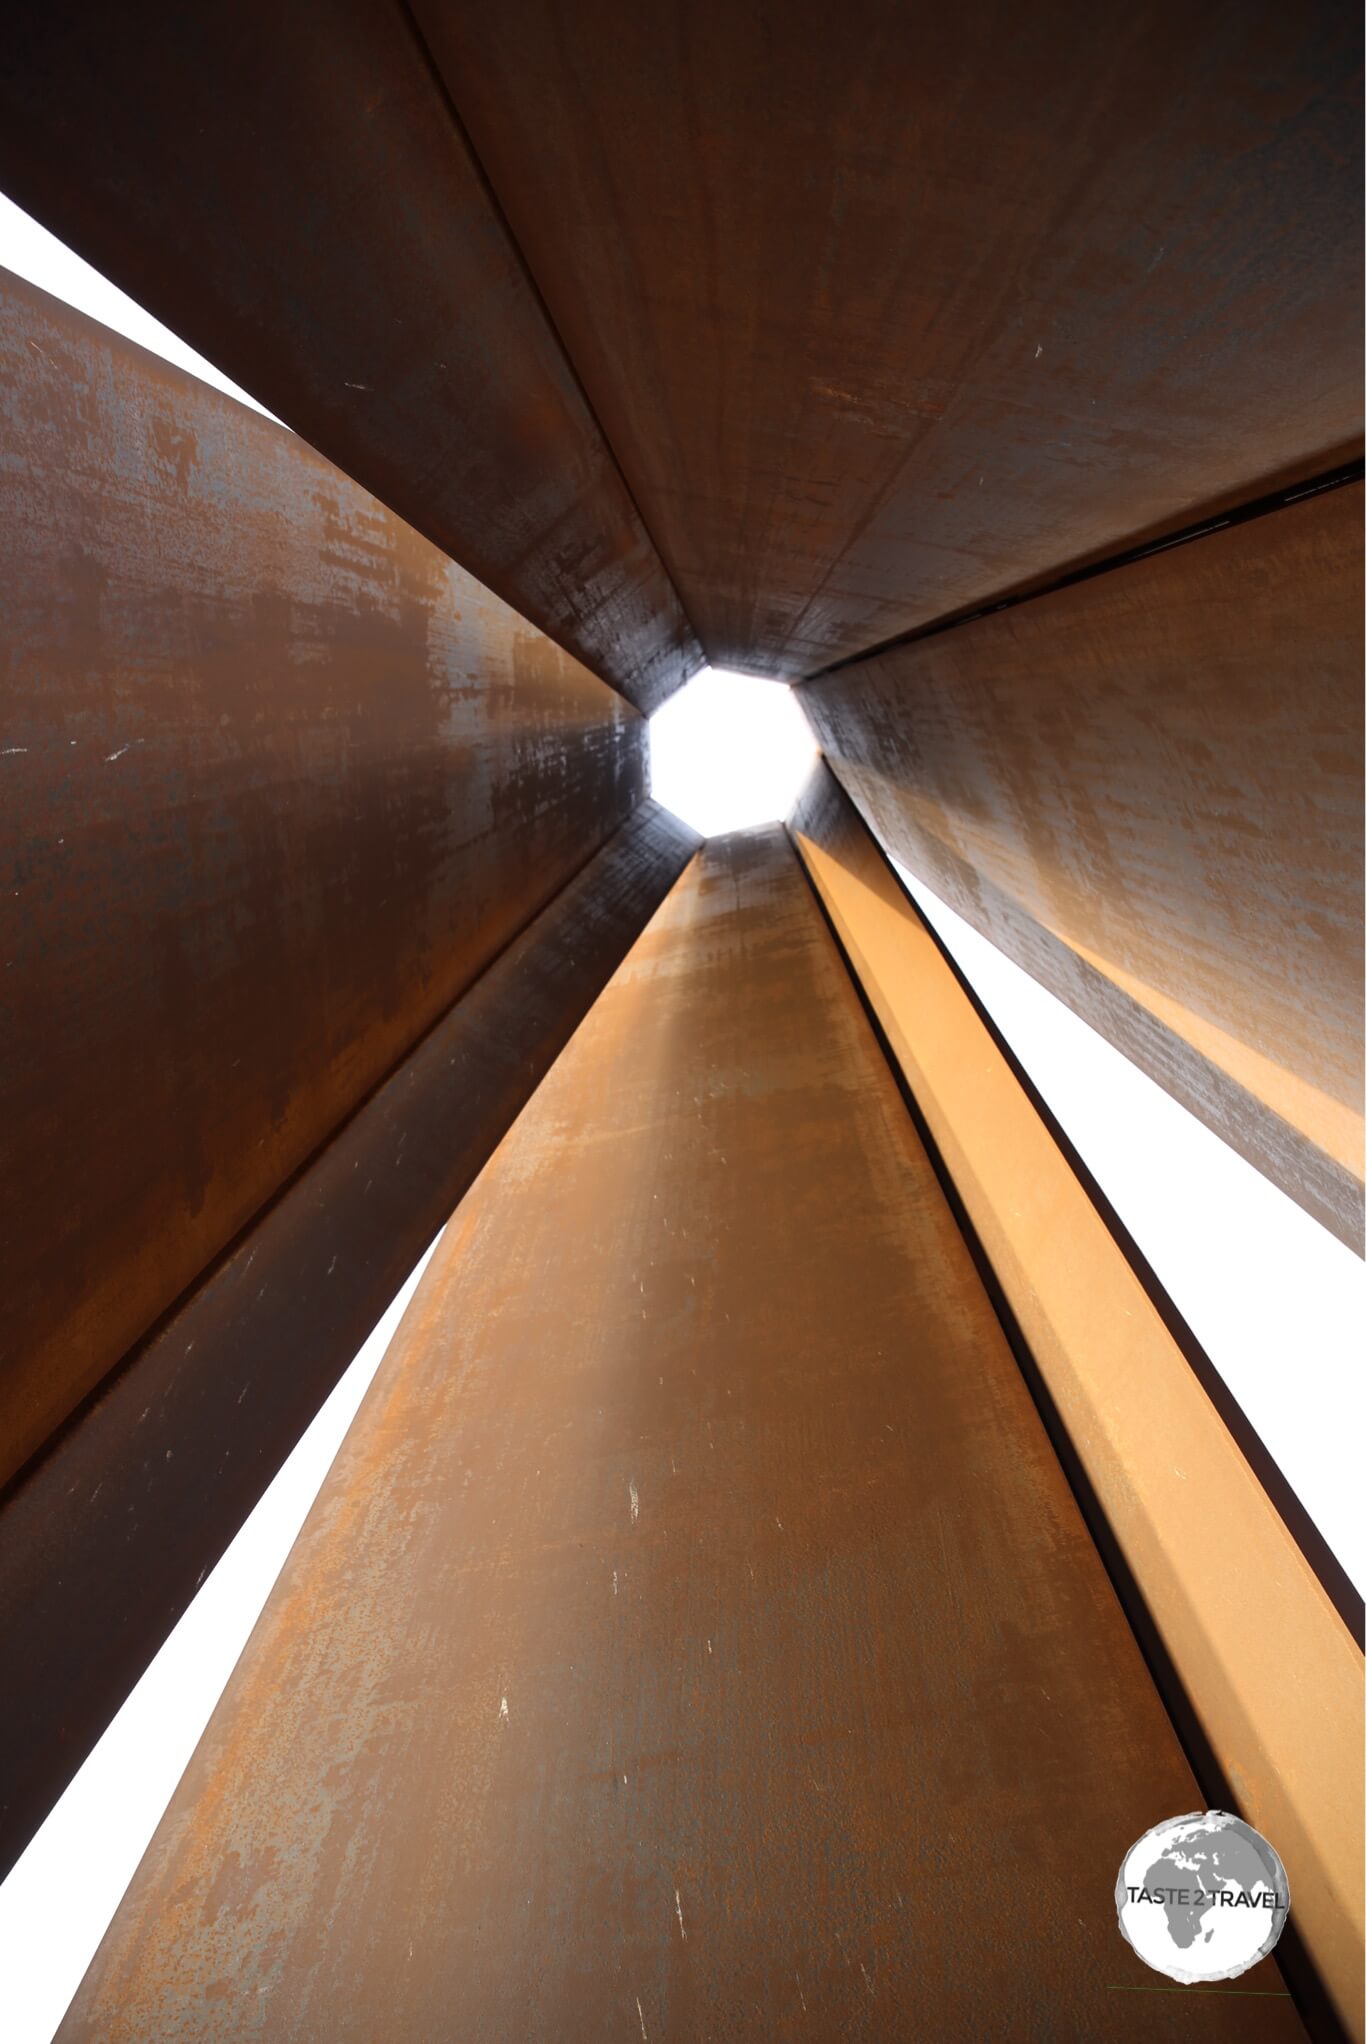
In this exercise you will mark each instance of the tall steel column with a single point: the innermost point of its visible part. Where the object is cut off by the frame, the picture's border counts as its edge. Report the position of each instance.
(104, 1542)
(277, 780)
(696, 1635)
(312, 855)
(1259, 1660)
(1145, 787)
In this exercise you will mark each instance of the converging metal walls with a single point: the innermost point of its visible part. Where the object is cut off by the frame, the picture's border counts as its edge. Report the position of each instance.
(1146, 788)
(278, 781)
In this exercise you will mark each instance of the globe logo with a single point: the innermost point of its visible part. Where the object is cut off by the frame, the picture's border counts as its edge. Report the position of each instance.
(1202, 1897)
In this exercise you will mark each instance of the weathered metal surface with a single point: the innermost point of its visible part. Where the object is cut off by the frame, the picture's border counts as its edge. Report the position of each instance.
(696, 1635)
(887, 309)
(276, 782)
(293, 194)
(140, 1496)
(1269, 1668)
(1146, 789)
(104, 1543)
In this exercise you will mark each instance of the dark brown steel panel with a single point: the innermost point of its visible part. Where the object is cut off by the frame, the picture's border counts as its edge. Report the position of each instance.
(1146, 788)
(286, 187)
(276, 782)
(888, 308)
(103, 1545)
(696, 1636)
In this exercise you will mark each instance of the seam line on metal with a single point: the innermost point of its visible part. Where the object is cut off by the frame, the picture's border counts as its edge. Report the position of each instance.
(1127, 557)
(447, 98)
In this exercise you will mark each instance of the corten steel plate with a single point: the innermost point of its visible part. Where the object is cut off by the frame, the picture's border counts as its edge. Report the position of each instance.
(887, 309)
(1262, 1657)
(104, 1543)
(276, 781)
(1146, 788)
(289, 189)
(696, 1636)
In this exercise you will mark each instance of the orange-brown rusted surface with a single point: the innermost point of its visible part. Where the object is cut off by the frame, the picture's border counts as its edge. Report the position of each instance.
(276, 782)
(1261, 1655)
(886, 308)
(1146, 788)
(104, 1542)
(290, 190)
(696, 1635)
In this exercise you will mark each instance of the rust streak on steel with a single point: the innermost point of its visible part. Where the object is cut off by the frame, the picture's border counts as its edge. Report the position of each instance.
(1146, 788)
(290, 192)
(890, 309)
(140, 1495)
(276, 781)
(696, 1632)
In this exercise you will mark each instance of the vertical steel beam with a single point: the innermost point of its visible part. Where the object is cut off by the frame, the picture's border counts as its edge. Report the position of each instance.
(276, 782)
(696, 1635)
(104, 1543)
(1146, 788)
(1260, 1655)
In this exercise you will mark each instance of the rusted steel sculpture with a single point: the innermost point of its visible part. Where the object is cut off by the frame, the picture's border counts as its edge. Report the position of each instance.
(696, 1634)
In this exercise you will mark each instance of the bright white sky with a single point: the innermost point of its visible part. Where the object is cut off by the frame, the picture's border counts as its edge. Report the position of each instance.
(1276, 1301)
(728, 751)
